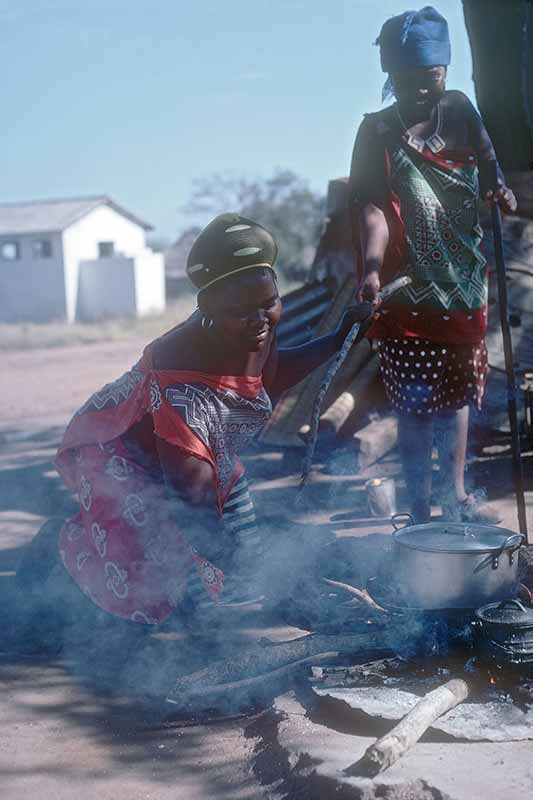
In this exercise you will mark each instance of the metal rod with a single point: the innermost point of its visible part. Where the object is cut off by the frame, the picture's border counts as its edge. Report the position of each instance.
(518, 474)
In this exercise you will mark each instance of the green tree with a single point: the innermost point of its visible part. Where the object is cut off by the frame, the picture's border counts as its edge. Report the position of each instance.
(283, 203)
(158, 243)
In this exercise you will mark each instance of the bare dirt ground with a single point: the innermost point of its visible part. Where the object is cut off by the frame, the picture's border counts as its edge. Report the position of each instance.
(64, 737)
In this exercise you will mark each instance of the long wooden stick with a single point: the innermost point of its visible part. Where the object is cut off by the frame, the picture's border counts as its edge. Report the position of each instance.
(518, 473)
(384, 294)
(234, 693)
(339, 360)
(358, 595)
(387, 750)
(259, 660)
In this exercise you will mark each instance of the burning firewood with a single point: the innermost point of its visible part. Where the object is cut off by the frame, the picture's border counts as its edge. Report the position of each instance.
(369, 673)
(358, 595)
(387, 750)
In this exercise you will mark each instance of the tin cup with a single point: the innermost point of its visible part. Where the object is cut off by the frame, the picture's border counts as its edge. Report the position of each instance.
(381, 497)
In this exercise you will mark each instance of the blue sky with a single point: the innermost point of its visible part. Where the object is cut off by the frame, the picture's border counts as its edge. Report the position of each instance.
(137, 98)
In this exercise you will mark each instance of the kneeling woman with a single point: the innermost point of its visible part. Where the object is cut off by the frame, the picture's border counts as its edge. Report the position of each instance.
(165, 519)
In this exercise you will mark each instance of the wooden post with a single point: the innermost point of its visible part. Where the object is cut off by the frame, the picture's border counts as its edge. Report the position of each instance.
(348, 401)
(376, 440)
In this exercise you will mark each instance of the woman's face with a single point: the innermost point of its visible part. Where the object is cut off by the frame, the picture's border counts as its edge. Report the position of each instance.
(245, 310)
(419, 89)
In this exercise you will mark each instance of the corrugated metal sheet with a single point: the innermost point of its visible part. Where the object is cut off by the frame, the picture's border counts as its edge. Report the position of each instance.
(302, 311)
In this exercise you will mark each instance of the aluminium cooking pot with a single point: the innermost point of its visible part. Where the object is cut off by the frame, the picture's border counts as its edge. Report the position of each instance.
(447, 565)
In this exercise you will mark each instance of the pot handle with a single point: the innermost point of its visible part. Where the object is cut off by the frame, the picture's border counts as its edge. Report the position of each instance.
(512, 601)
(512, 542)
(404, 516)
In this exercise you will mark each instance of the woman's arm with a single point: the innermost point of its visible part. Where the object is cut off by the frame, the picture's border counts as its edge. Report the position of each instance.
(367, 187)
(190, 484)
(374, 237)
(367, 192)
(293, 364)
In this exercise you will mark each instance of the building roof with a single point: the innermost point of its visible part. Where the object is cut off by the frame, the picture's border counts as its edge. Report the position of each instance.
(39, 216)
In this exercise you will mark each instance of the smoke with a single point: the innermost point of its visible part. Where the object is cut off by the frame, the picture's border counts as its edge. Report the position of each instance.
(296, 551)
(55, 618)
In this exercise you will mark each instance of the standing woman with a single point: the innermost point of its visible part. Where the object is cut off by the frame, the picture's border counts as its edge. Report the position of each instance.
(415, 190)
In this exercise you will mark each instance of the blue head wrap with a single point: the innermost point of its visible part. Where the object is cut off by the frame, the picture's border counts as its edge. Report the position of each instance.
(414, 39)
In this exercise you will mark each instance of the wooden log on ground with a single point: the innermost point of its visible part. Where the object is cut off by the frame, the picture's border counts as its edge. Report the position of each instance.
(356, 360)
(349, 401)
(248, 691)
(376, 440)
(263, 658)
(387, 750)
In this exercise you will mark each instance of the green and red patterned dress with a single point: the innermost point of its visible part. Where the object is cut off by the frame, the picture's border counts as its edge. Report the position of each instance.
(431, 335)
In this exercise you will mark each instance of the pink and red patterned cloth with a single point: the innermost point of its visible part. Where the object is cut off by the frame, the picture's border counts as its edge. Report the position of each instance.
(125, 548)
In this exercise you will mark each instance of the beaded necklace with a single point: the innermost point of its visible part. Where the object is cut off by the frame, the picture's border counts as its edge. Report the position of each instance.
(435, 142)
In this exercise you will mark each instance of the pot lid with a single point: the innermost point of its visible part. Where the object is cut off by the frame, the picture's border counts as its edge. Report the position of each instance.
(456, 537)
(508, 612)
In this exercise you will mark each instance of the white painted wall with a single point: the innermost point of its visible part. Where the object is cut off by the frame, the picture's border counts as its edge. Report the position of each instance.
(75, 283)
(33, 289)
(80, 243)
(120, 287)
(149, 282)
(106, 288)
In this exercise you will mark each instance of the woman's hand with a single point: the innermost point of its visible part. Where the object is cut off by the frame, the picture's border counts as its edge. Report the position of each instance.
(369, 287)
(361, 313)
(504, 197)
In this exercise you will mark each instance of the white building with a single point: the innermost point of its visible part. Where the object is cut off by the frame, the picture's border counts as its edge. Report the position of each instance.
(82, 258)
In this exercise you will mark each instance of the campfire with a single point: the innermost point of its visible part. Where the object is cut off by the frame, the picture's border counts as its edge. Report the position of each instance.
(437, 630)
(451, 657)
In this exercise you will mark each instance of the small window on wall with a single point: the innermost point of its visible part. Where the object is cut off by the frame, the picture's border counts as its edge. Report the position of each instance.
(106, 249)
(42, 248)
(9, 251)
